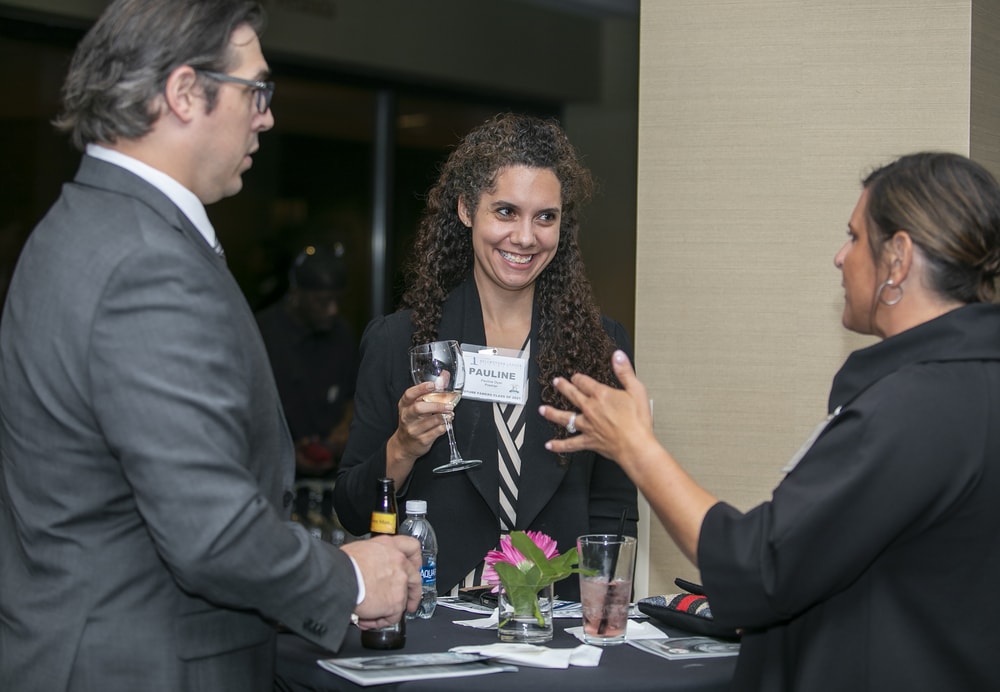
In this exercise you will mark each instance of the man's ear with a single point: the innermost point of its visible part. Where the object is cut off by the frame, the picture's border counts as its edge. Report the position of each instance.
(183, 92)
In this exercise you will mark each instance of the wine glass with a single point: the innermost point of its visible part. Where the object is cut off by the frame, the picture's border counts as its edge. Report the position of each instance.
(441, 362)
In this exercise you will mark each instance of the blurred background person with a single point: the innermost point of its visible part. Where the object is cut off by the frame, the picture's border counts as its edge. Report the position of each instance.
(496, 264)
(314, 355)
(874, 566)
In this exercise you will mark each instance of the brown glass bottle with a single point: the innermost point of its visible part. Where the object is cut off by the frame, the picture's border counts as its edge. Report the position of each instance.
(385, 521)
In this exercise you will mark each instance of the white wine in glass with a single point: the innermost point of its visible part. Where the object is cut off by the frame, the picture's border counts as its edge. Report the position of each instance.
(441, 362)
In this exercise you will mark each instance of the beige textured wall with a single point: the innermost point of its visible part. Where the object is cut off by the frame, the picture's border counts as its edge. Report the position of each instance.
(757, 120)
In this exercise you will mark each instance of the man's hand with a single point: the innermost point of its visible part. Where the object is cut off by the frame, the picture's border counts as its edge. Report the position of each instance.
(391, 569)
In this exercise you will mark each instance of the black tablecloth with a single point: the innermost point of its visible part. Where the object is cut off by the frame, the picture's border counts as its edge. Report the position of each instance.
(622, 667)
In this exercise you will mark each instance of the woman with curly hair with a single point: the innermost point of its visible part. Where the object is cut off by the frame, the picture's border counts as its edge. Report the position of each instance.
(496, 266)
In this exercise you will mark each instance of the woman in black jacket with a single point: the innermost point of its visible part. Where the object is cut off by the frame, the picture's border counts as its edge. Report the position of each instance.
(876, 562)
(496, 266)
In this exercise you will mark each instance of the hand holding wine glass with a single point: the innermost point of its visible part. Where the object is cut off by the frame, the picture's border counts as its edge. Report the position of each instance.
(441, 362)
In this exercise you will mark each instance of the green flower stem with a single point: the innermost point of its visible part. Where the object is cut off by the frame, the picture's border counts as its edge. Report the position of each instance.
(523, 582)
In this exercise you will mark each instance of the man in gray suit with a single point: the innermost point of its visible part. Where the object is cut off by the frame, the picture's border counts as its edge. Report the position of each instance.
(146, 467)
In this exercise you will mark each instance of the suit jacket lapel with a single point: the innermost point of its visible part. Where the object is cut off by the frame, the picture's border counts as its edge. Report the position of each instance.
(101, 174)
(462, 319)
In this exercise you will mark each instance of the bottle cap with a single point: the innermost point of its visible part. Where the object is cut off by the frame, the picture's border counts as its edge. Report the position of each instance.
(416, 506)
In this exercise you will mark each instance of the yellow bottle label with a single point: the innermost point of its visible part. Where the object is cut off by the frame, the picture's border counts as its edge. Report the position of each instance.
(383, 523)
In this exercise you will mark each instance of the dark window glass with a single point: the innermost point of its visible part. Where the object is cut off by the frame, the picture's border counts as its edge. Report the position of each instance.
(312, 181)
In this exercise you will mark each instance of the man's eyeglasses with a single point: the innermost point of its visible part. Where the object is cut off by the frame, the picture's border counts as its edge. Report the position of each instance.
(263, 91)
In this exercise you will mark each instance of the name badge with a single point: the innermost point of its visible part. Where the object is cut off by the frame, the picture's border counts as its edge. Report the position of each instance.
(495, 374)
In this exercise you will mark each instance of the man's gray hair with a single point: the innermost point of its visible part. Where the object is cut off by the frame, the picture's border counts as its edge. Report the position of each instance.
(123, 62)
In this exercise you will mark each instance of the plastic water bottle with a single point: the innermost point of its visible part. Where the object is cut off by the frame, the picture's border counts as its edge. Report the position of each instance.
(416, 525)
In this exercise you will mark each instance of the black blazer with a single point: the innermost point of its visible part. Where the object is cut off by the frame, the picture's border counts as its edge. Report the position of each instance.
(585, 495)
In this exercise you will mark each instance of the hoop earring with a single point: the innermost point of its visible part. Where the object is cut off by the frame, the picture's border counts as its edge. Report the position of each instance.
(889, 283)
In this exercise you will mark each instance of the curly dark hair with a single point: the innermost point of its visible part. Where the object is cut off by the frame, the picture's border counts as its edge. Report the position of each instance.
(571, 337)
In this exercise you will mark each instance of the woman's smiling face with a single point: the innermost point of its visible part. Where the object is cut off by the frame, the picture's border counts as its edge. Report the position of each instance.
(515, 228)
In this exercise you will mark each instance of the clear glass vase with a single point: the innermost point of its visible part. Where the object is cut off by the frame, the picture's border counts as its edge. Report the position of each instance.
(526, 625)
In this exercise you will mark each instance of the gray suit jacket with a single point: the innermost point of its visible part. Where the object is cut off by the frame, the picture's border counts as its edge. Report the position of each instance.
(146, 468)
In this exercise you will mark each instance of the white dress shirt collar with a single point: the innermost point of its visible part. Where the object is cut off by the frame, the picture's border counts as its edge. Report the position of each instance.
(186, 200)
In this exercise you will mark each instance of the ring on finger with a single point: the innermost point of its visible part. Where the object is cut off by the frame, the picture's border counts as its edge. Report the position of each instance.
(571, 425)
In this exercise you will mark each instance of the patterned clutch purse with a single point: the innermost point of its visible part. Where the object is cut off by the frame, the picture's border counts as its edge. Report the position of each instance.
(690, 612)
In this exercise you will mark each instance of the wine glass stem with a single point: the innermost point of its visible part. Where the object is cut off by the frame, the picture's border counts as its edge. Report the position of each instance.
(455, 456)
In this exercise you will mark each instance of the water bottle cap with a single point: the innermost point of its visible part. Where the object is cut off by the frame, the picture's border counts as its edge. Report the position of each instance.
(416, 506)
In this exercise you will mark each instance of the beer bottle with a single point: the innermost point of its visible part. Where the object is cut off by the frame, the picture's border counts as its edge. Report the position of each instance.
(385, 516)
(385, 520)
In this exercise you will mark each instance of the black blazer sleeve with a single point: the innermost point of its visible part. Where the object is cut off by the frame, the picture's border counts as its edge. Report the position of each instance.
(382, 378)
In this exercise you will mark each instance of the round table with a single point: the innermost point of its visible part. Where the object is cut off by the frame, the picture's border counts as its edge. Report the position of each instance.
(622, 667)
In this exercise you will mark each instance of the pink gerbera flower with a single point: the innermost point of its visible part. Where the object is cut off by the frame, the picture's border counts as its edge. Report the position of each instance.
(508, 553)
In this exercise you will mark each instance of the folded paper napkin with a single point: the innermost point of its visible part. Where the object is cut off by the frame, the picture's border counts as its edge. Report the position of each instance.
(634, 630)
(535, 655)
(481, 623)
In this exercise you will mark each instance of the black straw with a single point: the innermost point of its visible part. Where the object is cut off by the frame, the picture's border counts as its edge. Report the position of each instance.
(614, 565)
